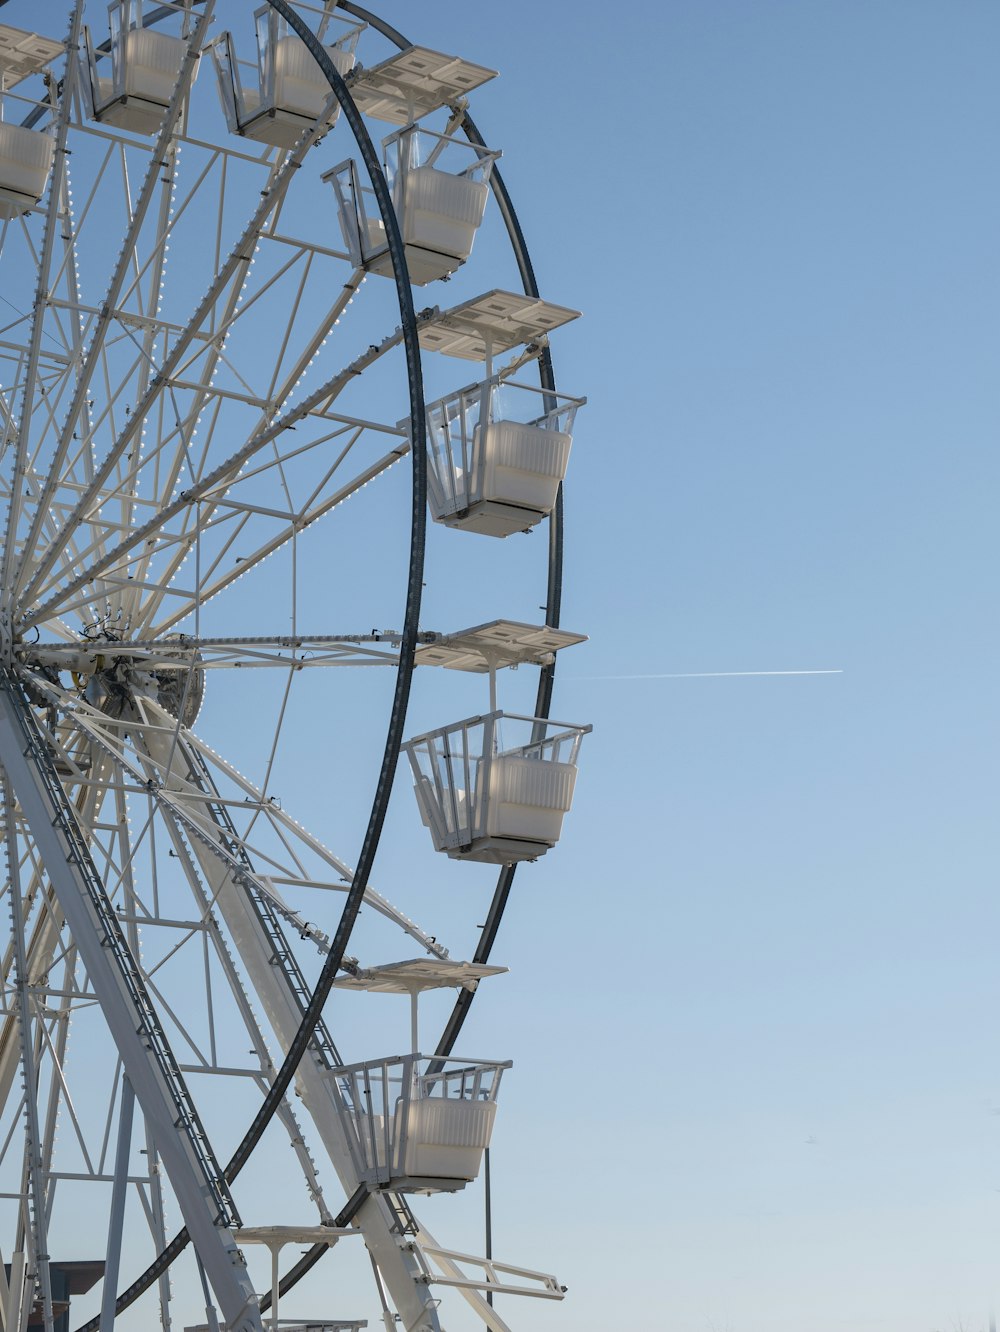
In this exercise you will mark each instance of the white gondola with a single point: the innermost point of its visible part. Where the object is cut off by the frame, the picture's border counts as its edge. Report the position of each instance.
(285, 92)
(25, 163)
(416, 1124)
(130, 85)
(412, 1123)
(25, 153)
(439, 188)
(497, 454)
(485, 800)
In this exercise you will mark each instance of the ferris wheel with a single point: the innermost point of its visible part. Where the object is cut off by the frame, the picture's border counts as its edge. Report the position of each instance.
(231, 392)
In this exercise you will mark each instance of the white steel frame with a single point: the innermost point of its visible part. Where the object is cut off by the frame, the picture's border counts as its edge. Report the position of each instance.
(147, 469)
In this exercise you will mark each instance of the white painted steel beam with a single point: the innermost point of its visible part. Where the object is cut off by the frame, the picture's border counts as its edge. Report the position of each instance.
(200, 1191)
(216, 480)
(38, 314)
(105, 319)
(32, 1143)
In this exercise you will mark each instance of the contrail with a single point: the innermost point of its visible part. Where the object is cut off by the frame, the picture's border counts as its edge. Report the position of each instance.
(704, 675)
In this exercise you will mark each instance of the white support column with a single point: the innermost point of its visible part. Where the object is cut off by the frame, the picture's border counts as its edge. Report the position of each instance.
(127, 1010)
(41, 948)
(112, 1262)
(4, 1296)
(58, 1047)
(158, 1226)
(18, 1300)
(36, 1185)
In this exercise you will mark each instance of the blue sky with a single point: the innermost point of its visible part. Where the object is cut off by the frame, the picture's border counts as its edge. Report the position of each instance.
(773, 934)
(757, 1082)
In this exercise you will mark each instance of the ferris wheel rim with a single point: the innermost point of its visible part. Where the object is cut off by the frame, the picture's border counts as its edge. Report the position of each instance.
(507, 873)
(419, 514)
(554, 581)
(407, 639)
(407, 647)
